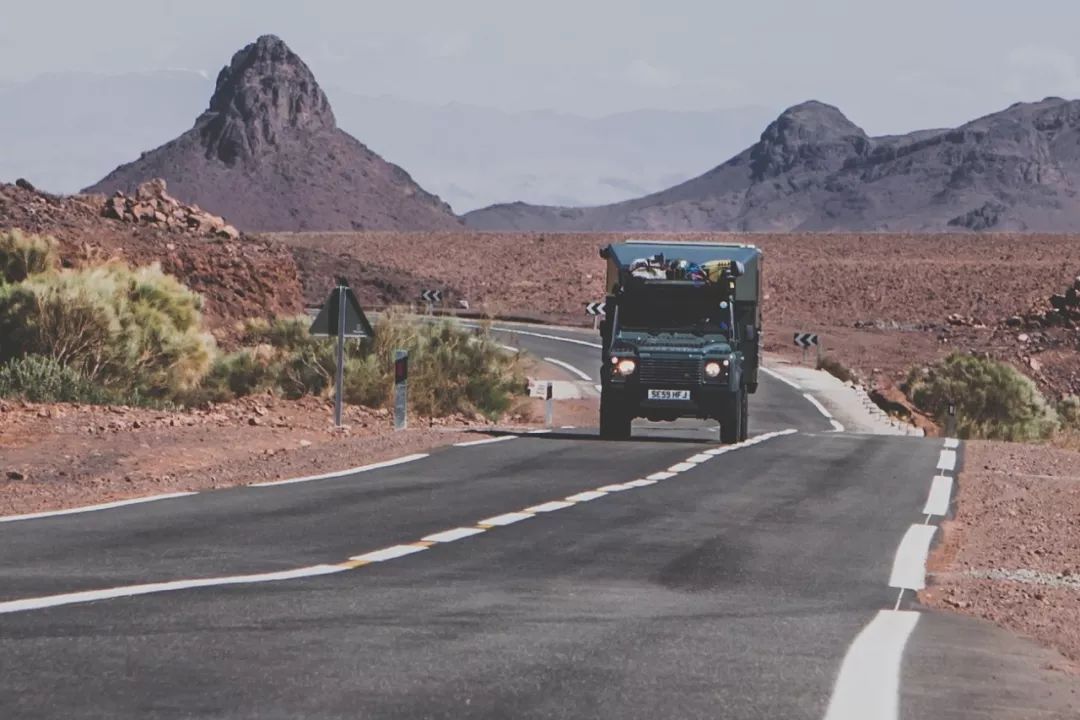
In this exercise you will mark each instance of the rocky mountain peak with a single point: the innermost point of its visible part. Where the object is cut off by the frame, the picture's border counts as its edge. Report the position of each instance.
(811, 134)
(264, 94)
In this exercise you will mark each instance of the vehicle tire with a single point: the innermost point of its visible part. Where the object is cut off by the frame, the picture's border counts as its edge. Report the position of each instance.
(614, 419)
(731, 419)
(744, 421)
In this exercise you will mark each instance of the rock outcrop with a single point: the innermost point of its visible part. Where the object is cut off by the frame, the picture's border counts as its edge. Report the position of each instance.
(267, 154)
(152, 205)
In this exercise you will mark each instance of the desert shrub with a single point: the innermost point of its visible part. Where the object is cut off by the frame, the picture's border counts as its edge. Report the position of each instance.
(835, 368)
(135, 331)
(993, 400)
(1068, 410)
(36, 378)
(286, 333)
(237, 374)
(24, 255)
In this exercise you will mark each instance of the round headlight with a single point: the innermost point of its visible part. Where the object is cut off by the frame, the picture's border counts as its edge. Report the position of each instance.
(712, 369)
(626, 366)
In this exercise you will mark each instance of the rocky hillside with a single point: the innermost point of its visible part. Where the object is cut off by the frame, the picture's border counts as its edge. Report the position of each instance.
(268, 155)
(238, 277)
(815, 170)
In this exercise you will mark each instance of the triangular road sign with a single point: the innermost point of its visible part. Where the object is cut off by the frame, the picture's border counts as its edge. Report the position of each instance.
(356, 323)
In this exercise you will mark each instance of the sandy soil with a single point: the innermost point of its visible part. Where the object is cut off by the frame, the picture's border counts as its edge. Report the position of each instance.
(881, 302)
(1012, 553)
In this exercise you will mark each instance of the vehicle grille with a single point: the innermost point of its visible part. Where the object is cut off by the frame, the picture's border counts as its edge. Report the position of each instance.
(671, 371)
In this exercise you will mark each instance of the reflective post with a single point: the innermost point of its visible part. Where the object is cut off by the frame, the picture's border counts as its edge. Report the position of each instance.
(401, 378)
(549, 409)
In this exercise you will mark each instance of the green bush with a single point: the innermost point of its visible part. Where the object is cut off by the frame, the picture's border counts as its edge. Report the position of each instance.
(452, 369)
(993, 400)
(24, 255)
(135, 331)
(36, 378)
(1068, 410)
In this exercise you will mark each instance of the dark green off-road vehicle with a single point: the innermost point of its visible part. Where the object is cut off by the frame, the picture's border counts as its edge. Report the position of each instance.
(681, 334)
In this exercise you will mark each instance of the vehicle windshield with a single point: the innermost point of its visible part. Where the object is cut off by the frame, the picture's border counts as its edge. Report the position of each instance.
(671, 312)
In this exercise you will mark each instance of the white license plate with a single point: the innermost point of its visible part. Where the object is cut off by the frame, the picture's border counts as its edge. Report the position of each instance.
(669, 394)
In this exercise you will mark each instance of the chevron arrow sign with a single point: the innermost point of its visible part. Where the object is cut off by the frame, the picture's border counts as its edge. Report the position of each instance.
(595, 308)
(805, 340)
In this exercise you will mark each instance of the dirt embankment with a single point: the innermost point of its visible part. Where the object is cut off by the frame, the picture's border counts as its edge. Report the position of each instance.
(59, 456)
(1012, 553)
(881, 302)
(239, 277)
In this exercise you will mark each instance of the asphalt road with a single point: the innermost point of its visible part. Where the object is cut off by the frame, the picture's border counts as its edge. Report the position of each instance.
(732, 588)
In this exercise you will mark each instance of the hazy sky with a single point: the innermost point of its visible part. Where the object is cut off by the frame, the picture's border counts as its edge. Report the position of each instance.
(891, 66)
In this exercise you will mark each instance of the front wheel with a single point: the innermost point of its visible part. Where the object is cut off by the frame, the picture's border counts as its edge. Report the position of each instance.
(615, 421)
(732, 428)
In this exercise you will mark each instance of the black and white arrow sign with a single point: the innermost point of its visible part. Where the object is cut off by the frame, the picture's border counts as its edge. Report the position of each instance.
(805, 340)
(596, 308)
(431, 296)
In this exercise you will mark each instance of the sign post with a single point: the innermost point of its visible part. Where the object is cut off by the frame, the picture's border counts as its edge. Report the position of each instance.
(401, 379)
(805, 340)
(339, 376)
(341, 317)
(596, 309)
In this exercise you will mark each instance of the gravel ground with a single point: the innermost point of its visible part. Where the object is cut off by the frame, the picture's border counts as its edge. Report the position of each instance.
(1012, 553)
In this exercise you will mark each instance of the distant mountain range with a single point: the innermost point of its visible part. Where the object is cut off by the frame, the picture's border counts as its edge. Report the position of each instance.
(63, 131)
(815, 170)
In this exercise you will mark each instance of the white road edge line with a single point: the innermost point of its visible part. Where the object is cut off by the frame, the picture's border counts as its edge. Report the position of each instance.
(838, 427)
(952, 443)
(817, 403)
(486, 441)
(49, 601)
(342, 473)
(868, 686)
(947, 460)
(940, 494)
(93, 508)
(545, 336)
(569, 367)
(781, 378)
(909, 565)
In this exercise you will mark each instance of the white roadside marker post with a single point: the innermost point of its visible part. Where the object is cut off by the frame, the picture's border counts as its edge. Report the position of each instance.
(549, 409)
(401, 379)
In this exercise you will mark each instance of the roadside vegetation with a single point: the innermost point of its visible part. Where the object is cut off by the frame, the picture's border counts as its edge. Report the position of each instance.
(993, 400)
(111, 334)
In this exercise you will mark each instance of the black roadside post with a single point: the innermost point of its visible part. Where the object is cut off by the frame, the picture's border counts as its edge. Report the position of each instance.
(950, 421)
(549, 405)
(401, 379)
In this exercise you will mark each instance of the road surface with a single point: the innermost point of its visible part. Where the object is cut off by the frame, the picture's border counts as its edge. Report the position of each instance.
(538, 576)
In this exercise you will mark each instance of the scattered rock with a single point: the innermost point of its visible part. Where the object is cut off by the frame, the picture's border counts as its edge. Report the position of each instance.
(15, 475)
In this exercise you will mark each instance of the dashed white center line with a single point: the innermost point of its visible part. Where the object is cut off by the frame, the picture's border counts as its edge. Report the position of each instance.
(612, 488)
(390, 553)
(947, 460)
(909, 566)
(641, 483)
(661, 476)
(952, 443)
(699, 458)
(451, 535)
(505, 519)
(681, 467)
(549, 506)
(586, 496)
